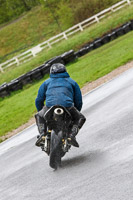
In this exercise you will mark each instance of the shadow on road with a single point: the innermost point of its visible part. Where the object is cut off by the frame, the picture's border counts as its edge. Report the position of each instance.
(88, 157)
(74, 161)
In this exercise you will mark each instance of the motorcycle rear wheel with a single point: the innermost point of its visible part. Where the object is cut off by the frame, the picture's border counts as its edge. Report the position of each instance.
(55, 151)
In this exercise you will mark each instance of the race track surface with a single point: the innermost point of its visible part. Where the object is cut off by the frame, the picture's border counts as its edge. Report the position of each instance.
(101, 169)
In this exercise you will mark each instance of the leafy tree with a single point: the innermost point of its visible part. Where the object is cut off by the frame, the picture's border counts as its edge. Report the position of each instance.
(11, 9)
(3, 12)
(25, 4)
(65, 12)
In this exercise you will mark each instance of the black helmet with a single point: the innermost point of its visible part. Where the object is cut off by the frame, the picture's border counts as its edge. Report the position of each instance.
(57, 68)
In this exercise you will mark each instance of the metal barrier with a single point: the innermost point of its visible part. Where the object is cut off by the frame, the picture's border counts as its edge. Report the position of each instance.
(24, 57)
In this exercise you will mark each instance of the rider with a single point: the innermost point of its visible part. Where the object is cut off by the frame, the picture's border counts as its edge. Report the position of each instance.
(60, 89)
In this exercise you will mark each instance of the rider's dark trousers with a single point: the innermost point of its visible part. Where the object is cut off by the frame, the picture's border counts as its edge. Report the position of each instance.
(77, 117)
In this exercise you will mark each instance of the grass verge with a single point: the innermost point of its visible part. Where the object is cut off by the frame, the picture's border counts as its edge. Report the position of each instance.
(19, 108)
(74, 42)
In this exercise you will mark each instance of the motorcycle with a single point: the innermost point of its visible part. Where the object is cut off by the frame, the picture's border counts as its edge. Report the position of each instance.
(57, 140)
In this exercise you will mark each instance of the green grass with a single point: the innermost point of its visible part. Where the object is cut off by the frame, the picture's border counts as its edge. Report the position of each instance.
(74, 42)
(39, 23)
(27, 31)
(19, 108)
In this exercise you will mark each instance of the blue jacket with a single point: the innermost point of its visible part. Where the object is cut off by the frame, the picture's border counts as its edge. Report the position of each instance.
(59, 89)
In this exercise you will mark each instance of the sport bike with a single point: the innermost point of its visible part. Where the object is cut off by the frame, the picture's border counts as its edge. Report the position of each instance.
(57, 140)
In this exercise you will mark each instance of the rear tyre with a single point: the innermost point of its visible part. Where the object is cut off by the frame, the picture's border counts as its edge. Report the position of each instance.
(55, 151)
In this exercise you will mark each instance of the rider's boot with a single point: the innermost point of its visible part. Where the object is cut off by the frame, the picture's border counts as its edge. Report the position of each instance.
(79, 120)
(75, 130)
(41, 128)
(40, 138)
(73, 134)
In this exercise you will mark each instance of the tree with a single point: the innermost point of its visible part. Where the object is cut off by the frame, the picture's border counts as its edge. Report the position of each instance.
(11, 9)
(25, 4)
(3, 12)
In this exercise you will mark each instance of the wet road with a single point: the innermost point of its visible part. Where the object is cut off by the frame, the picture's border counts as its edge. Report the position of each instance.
(101, 169)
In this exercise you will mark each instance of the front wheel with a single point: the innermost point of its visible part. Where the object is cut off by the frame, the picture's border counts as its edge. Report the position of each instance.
(55, 150)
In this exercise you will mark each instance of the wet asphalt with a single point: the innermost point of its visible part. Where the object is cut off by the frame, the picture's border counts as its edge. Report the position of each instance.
(101, 169)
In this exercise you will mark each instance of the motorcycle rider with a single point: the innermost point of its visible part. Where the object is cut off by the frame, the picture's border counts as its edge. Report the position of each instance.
(60, 89)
